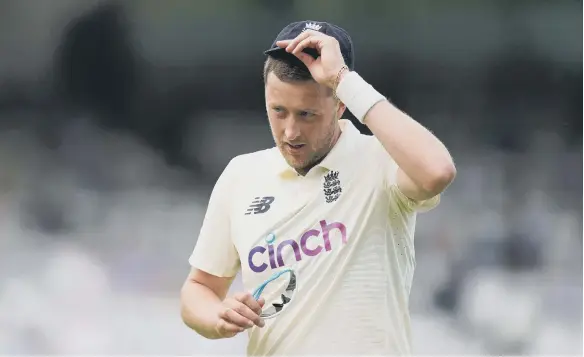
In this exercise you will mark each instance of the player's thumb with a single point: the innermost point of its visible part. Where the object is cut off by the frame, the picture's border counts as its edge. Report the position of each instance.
(305, 58)
(262, 302)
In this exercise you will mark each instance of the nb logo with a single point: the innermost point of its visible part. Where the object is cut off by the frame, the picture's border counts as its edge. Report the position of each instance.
(260, 205)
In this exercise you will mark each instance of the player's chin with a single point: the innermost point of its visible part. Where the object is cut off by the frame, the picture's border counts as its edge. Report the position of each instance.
(296, 162)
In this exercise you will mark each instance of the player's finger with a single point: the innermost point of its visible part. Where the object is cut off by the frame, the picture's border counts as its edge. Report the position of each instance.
(262, 302)
(249, 316)
(228, 329)
(283, 43)
(305, 58)
(297, 40)
(250, 302)
(310, 42)
(231, 316)
(255, 306)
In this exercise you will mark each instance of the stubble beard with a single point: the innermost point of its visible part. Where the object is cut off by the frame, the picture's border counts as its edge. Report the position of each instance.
(315, 158)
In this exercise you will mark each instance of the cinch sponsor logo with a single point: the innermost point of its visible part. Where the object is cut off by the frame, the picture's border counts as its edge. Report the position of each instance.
(312, 243)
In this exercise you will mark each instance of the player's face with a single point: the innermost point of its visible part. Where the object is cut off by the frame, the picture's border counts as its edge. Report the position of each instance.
(304, 120)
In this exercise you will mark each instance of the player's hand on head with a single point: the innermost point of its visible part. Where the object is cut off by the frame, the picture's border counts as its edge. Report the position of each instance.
(326, 67)
(240, 312)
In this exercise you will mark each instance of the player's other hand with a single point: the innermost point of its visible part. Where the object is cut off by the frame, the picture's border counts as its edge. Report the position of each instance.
(240, 312)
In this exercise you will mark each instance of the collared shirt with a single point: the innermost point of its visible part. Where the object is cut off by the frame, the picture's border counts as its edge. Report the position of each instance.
(355, 270)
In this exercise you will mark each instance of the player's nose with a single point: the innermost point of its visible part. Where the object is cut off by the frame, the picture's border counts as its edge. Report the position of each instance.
(291, 131)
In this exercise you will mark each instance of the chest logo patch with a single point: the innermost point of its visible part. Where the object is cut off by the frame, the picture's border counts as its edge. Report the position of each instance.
(332, 186)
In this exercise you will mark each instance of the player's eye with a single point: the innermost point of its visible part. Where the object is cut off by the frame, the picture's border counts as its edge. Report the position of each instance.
(279, 111)
(305, 114)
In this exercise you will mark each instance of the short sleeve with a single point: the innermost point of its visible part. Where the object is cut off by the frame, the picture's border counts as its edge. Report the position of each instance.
(388, 172)
(214, 251)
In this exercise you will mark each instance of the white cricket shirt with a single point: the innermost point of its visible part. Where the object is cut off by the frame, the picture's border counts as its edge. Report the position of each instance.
(347, 230)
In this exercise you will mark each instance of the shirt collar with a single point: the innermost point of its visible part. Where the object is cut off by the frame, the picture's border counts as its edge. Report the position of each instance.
(334, 159)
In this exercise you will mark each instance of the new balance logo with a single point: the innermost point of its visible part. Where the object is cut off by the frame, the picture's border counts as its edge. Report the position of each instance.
(260, 205)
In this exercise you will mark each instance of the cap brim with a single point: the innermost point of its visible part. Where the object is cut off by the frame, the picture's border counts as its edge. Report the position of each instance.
(281, 52)
(274, 51)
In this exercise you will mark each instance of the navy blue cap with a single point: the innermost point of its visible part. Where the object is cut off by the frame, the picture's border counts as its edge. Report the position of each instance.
(294, 29)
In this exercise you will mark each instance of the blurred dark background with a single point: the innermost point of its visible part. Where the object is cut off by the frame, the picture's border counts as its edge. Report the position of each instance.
(116, 118)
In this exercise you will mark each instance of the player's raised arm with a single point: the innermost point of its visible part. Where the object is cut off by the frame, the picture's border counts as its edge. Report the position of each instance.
(425, 165)
(215, 262)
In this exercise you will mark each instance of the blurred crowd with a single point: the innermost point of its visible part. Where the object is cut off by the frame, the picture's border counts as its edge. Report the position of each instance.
(116, 118)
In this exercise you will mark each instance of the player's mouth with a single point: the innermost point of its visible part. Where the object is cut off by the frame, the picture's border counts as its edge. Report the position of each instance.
(294, 149)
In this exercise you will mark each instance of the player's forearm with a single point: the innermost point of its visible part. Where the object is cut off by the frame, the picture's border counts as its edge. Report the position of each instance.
(200, 309)
(418, 153)
(415, 149)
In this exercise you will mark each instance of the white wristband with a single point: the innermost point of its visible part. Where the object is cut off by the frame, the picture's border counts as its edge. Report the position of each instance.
(358, 95)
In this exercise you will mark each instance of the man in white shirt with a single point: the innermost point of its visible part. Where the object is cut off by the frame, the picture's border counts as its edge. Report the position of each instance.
(338, 206)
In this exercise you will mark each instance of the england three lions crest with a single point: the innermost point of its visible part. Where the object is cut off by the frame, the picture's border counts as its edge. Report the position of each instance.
(332, 186)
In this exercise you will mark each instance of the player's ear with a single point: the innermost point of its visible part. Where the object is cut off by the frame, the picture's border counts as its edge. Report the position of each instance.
(341, 107)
